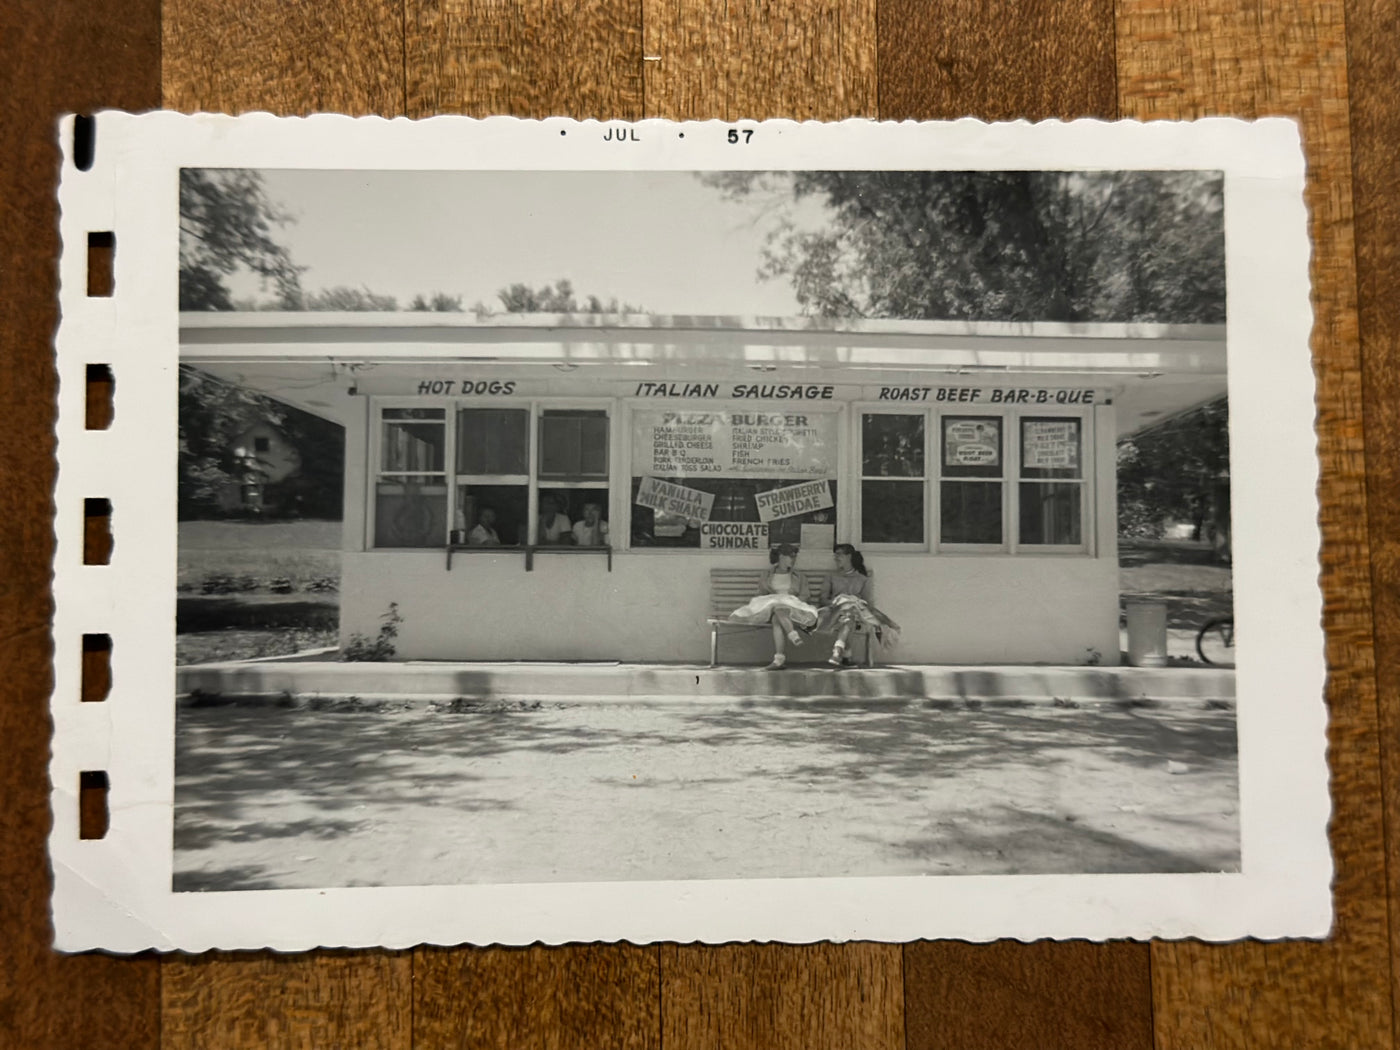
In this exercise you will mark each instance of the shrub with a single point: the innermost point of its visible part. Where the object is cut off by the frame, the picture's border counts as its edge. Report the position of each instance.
(363, 649)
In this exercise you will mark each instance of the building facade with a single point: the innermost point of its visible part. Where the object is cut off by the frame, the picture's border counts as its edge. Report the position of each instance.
(560, 487)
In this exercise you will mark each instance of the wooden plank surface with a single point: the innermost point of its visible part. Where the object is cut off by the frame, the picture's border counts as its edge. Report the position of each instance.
(58, 57)
(793, 59)
(1256, 59)
(774, 996)
(582, 996)
(526, 58)
(262, 999)
(1373, 58)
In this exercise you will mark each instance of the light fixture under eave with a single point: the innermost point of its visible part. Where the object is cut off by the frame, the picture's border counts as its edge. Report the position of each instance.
(566, 366)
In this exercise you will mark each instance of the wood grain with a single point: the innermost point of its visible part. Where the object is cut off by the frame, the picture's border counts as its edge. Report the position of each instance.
(1034, 59)
(1248, 59)
(756, 59)
(527, 58)
(537, 998)
(344, 56)
(1053, 60)
(263, 999)
(1373, 54)
(1047, 995)
(58, 57)
(766, 996)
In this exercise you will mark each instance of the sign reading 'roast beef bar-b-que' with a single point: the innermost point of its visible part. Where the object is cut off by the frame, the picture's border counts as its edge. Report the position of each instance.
(757, 443)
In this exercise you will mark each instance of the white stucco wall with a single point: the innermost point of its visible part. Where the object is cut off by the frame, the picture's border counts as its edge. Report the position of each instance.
(652, 607)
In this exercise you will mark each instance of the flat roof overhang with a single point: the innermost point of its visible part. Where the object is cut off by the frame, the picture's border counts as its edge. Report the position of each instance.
(306, 358)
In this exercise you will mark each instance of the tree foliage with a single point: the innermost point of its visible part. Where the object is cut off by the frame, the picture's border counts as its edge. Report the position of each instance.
(558, 298)
(1010, 246)
(213, 413)
(1177, 471)
(226, 223)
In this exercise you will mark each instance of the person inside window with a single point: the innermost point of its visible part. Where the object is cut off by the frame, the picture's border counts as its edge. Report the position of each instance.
(848, 600)
(781, 601)
(483, 533)
(555, 527)
(591, 530)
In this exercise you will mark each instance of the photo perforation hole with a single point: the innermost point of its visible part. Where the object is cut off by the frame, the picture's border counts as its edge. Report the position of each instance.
(97, 531)
(84, 141)
(93, 816)
(101, 386)
(97, 668)
(101, 261)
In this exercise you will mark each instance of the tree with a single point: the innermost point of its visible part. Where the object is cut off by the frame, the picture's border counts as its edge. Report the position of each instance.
(557, 298)
(347, 299)
(213, 413)
(227, 222)
(439, 302)
(1012, 246)
(1178, 470)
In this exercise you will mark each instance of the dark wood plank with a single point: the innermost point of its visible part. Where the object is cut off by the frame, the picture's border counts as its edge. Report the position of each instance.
(74, 55)
(545, 998)
(526, 58)
(772, 996)
(1036, 59)
(344, 56)
(233, 1000)
(1373, 59)
(941, 61)
(1045, 995)
(753, 59)
(1254, 58)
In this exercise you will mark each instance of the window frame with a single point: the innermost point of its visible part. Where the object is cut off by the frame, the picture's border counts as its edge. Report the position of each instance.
(974, 411)
(534, 407)
(1088, 473)
(862, 409)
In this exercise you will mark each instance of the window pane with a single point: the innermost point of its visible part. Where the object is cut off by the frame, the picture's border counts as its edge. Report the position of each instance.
(972, 446)
(970, 512)
(892, 446)
(574, 444)
(492, 514)
(413, 446)
(493, 441)
(1050, 448)
(1050, 513)
(410, 513)
(733, 501)
(892, 512)
(564, 517)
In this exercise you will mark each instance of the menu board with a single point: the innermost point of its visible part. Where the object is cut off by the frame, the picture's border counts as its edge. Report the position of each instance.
(742, 443)
(972, 442)
(1050, 444)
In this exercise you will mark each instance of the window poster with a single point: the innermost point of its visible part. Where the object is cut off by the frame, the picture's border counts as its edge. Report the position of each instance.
(792, 500)
(745, 443)
(1049, 444)
(677, 500)
(972, 442)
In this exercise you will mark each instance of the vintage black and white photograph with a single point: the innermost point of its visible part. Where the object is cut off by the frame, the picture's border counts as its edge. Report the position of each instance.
(587, 526)
(551, 524)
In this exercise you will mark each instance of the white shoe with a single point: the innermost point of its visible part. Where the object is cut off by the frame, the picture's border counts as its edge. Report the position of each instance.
(779, 662)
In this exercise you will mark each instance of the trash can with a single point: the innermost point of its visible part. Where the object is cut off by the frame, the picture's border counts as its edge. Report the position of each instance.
(1147, 634)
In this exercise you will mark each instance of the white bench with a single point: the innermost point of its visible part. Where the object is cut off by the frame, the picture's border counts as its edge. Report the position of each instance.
(732, 588)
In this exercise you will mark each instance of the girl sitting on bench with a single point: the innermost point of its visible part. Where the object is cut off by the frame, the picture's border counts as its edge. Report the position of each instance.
(848, 597)
(781, 601)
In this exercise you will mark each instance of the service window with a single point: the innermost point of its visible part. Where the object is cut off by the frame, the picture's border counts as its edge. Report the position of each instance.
(732, 479)
(1052, 482)
(971, 468)
(493, 476)
(572, 476)
(410, 499)
(892, 478)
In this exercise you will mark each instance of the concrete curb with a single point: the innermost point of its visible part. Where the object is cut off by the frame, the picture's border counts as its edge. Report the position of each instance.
(445, 681)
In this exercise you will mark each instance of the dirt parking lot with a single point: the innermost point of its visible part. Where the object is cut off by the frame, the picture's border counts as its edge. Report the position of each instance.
(483, 791)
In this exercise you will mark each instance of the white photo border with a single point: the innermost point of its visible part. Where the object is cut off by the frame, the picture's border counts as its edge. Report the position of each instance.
(115, 893)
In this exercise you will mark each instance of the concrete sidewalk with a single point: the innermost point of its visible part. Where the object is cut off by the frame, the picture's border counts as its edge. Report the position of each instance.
(438, 680)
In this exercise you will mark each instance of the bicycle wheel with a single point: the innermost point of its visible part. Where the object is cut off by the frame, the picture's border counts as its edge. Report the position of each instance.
(1216, 642)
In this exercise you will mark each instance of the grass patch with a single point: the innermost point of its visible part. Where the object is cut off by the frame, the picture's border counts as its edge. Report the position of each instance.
(207, 647)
